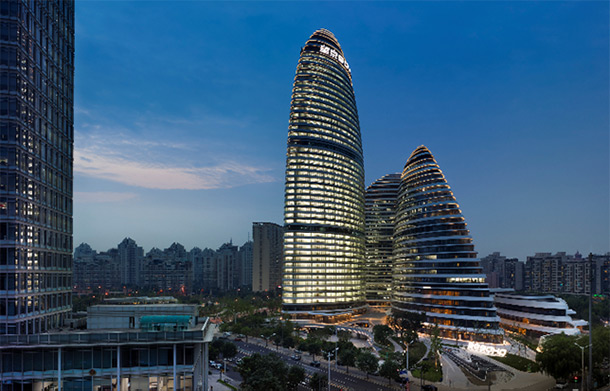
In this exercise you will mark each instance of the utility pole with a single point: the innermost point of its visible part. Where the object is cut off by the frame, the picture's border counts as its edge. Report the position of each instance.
(590, 379)
(407, 354)
(329, 370)
(582, 360)
(336, 348)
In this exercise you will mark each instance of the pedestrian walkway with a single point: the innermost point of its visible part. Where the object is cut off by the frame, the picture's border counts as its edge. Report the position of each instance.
(215, 385)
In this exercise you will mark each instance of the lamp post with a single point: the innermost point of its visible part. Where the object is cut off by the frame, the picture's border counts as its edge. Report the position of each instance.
(329, 353)
(582, 351)
(407, 358)
(336, 348)
(329, 370)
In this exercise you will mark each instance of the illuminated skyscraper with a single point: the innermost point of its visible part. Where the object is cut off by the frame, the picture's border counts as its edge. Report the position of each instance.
(324, 199)
(36, 144)
(380, 211)
(436, 270)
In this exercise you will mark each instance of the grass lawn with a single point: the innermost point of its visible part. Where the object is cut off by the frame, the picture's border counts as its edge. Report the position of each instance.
(431, 375)
(518, 362)
(416, 352)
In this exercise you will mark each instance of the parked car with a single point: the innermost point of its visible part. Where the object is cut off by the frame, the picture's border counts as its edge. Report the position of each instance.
(315, 363)
(296, 357)
(429, 387)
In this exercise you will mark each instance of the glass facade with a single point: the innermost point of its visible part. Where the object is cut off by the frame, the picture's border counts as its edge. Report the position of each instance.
(436, 270)
(89, 361)
(36, 144)
(324, 199)
(536, 316)
(380, 211)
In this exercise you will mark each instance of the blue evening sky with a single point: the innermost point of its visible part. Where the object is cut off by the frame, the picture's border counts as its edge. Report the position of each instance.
(181, 114)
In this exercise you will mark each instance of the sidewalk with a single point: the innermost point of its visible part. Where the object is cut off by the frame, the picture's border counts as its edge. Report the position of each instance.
(216, 386)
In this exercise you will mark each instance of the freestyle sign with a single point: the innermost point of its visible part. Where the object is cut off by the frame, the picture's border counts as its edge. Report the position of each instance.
(332, 53)
(486, 349)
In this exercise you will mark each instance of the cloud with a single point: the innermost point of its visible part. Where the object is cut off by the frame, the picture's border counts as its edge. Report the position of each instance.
(162, 174)
(102, 196)
(156, 152)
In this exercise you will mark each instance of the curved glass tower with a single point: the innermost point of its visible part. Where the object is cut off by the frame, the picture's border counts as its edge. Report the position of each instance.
(324, 199)
(380, 211)
(436, 269)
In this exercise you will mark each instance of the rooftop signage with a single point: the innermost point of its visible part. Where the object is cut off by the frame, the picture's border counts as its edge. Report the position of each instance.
(332, 53)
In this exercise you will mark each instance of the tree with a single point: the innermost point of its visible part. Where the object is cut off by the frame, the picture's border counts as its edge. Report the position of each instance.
(317, 382)
(559, 357)
(314, 347)
(295, 376)
(215, 347)
(381, 332)
(389, 370)
(220, 347)
(228, 350)
(347, 357)
(269, 373)
(407, 324)
(344, 335)
(435, 344)
(321, 332)
(367, 362)
(260, 372)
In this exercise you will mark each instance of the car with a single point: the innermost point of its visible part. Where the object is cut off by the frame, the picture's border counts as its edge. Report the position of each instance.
(315, 363)
(429, 387)
(296, 357)
(237, 339)
(297, 351)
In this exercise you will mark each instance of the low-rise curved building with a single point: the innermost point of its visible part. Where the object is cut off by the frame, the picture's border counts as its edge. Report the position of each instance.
(436, 270)
(536, 316)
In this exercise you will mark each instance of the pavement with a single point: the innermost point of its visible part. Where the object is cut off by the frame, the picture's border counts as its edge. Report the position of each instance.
(216, 386)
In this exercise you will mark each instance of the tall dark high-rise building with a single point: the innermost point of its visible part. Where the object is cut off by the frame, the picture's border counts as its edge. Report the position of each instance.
(380, 212)
(36, 154)
(436, 269)
(268, 256)
(324, 199)
(130, 258)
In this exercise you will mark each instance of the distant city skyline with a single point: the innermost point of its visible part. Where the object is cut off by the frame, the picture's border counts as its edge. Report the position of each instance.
(180, 130)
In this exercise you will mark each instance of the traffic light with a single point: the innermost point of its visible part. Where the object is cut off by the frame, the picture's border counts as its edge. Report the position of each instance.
(576, 378)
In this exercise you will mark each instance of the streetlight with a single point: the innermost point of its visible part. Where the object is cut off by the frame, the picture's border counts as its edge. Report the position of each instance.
(329, 353)
(407, 358)
(336, 348)
(582, 350)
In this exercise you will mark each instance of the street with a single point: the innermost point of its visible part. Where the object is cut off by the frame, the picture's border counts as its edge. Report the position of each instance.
(341, 380)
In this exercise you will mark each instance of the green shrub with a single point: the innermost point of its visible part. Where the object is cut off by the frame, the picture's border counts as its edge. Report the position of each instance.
(518, 362)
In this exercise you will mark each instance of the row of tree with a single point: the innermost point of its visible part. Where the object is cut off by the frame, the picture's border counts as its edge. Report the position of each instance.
(270, 373)
(560, 356)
